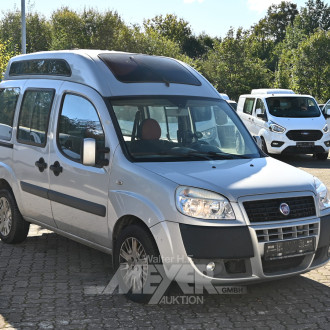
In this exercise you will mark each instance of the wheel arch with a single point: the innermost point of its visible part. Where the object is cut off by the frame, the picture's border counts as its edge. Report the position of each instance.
(124, 222)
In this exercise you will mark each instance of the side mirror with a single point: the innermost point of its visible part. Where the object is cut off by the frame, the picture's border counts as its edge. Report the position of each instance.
(327, 113)
(88, 153)
(260, 114)
(258, 141)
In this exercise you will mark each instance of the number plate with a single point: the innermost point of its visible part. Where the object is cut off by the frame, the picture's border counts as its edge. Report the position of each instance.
(305, 144)
(286, 249)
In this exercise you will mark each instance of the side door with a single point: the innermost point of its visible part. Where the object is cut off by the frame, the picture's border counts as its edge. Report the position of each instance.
(31, 150)
(246, 115)
(79, 193)
(259, 122)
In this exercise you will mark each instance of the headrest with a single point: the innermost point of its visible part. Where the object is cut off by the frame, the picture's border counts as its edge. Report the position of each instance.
(150, 130)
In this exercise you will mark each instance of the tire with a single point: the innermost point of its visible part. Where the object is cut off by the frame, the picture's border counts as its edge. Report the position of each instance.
(13, 228)
(322, 156)
(134, 274)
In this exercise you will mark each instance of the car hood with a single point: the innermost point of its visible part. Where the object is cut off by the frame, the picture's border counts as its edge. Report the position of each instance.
(236, 178)
(316, 123)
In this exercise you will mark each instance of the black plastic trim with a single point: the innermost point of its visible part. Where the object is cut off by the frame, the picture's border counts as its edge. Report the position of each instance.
(6, 145)
(64, 199)
(77, 203)
(324, 239)
(34, 190)
(204, 242)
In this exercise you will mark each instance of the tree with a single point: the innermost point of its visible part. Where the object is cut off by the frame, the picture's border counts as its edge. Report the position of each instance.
(178, 31)
(278, 17)
(232, 69)
(5, 56)
(311, 69)
(38, 33)
(67, 30)
(315, 15)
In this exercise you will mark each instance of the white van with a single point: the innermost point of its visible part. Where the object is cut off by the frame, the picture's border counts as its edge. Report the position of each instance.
(139, 156)
(287, 123)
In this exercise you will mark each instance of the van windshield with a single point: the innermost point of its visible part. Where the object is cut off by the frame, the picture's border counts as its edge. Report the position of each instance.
(293, 107)
(181, 129)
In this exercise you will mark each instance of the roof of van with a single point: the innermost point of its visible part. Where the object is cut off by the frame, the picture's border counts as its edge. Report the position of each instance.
(113, 73)
(272, 91)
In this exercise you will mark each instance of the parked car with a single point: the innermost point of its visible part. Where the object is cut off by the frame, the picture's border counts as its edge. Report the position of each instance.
(232, 103)
(326, 112)
(111, 149)
(287, 123)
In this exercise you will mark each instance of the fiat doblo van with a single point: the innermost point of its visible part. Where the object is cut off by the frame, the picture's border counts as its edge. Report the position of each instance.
(124, 153)
(287, 123)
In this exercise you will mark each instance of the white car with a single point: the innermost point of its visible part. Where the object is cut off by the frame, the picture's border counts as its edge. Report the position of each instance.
(287, 123)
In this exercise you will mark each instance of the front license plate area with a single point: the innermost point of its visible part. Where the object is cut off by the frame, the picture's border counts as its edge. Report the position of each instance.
(290, 248)
(305, 144)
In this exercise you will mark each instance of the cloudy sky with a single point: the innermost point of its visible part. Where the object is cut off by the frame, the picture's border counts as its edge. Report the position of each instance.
(213, 17)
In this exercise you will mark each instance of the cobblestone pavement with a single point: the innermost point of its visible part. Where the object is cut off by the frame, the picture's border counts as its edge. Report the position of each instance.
(45, 282)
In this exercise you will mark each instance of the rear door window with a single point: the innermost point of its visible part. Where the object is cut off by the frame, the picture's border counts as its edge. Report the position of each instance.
(8, 101)
(34, 116)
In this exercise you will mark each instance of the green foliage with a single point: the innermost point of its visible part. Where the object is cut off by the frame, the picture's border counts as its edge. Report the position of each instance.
(5, 56)
(311, 66)
(315, 15)
(285, 49)
(38, 33)
(232, 69)
(278, 17)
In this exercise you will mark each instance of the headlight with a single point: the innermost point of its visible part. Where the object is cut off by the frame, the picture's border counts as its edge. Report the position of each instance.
(203, 204)
(209, 134)
(326, 128)
(322, 194)
(276, 128)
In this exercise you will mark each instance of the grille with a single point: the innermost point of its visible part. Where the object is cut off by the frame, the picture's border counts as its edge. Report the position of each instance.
(281, 265)
(269, 209)
(306, 135)
(287, 233)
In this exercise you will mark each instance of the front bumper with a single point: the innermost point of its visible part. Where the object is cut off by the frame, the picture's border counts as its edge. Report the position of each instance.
(237, 252)
(281, 144)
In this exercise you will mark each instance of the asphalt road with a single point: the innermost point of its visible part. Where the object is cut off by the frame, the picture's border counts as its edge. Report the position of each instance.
(50, 282)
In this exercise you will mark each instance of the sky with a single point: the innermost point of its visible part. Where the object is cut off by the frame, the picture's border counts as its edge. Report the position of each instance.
(214, 17)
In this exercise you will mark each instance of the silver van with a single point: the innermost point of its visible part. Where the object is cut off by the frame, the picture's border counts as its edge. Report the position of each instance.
(111, 149)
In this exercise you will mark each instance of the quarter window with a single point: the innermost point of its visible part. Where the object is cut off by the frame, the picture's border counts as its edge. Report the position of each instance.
(248, 106)
(34, 117)
(8, 100)
(79, 120)
(260, 105)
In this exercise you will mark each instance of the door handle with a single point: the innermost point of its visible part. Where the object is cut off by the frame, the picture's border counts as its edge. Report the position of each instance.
(56, 168)
(41, 164)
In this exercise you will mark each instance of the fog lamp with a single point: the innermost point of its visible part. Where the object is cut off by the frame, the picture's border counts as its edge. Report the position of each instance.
(210, 266)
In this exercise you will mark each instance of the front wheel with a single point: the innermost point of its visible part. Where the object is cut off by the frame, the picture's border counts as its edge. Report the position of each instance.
(135, 257)
(322, 156)
(13, 228)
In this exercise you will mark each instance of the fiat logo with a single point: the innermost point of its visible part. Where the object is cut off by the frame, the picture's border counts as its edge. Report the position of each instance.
(285, 209)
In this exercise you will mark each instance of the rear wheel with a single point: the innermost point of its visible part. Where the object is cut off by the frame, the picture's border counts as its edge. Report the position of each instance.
(322, 156)
(13, 228)
(135, 257)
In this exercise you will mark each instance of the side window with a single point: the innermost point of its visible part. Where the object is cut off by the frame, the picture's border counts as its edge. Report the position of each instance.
(34, 117)
(248, 106)
(8, 100)
(78, 120)
(260, 105)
